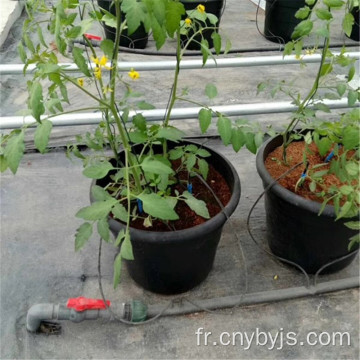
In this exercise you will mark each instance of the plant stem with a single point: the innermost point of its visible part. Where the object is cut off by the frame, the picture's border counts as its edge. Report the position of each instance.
(290, 128)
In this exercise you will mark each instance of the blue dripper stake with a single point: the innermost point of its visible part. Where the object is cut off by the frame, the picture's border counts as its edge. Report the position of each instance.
(140, 206)
(329, 157)
(190, 188)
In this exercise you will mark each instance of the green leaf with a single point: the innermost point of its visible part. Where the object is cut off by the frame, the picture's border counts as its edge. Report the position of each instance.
(170, 133)
(322, 107)
(135, 14)
(354, 240)
(353, 225)
(157, 206)
(14, 151)
(74, 32)
(196, 205)
(99, 193)
(176, 153)
(326, 69)
(203, 168)
(352, 168)
(350, 137)
(97, 210)
(351, 73)
(42, 134)
(237, 139)
(258, 139)
(217, 42)
(22, 52)
(117, 270)
(107, 46)
(211, 91)
(80, 61)
(205, 50)
(98, 171)
(302, 29)
(140, 122)
(341, 88)
(109, 20)
(203, 153)
(29, 44)
(228, 46)
(36, 101)
(324, 145)
(143, 105)
(174, 11)
(103, 229)
(333, 3)
(159, 34)
(323, 14)
(352, 97)
(3, 163)
(82, 235)
(346, 189)
(152, 165)
(190, 162)
(250, 142)
(302, 13)
(224, 129)
(126, 248)
(212, 18)
(204, 119)
(287, 49)
(120, 212)
(312, 186)
(344, 210)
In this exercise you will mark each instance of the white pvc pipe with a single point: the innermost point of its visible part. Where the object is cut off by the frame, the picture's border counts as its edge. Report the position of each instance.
(11, 122)
(13, 69)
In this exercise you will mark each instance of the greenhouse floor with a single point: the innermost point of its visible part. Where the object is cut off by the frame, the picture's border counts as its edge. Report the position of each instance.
(39, 265)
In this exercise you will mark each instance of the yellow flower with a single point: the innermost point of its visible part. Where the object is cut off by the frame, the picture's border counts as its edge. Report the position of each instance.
(188, 22)
(133, 74)
(97, 73)
(95, 60)
(80, 81)
(102, 62)
(107, 89)
(201, 8)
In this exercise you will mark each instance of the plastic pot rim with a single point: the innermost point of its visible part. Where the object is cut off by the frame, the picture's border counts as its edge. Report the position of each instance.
(280, 191)
(198, 230)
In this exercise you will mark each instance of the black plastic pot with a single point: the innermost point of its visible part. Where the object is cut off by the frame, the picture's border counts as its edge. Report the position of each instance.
(215, 7)
(137, 40)
(176, 261)
(280, 19)
(295, 231)
(356, 27)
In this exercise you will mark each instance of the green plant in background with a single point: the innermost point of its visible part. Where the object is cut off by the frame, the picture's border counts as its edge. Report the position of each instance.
(337, 141)
(140, 180)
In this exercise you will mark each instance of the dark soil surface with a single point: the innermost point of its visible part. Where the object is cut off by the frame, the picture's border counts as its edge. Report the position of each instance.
(187, 217)
(295, 152)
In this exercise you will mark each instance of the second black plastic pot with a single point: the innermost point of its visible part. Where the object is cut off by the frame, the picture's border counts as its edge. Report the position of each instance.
(215, 7)
(175, 261)
(137, 40)
(280, 19)
(295, 231)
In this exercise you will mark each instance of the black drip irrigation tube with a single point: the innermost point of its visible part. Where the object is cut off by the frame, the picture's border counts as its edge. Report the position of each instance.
(279, 48)
(135, 312)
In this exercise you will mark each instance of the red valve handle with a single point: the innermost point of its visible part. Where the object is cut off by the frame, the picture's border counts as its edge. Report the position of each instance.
(82, 303)
(93, 37)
